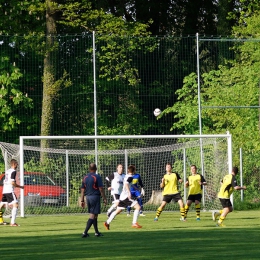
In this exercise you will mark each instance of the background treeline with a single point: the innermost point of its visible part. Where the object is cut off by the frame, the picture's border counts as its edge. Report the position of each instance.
(145, 58)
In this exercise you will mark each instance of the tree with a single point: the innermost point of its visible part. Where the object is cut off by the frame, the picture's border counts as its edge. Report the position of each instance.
(233, 84)
(12, 99)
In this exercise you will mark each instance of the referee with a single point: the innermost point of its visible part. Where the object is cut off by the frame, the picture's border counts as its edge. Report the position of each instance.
(92, 188)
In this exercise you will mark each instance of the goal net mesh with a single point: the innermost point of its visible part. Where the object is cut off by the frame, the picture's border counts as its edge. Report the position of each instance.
(54, 168)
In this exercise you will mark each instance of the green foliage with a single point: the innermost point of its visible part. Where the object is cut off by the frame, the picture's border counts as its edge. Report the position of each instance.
(246, 205)
(52, 167)
(223, 92)
(118, 39)
(22, 17)
(12, 99)
(185, 109)
(243, 9)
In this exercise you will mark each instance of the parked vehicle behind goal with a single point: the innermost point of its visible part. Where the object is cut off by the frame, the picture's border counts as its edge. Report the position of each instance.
(39, 190)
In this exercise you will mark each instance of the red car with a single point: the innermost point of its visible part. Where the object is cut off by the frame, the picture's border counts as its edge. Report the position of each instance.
(39, 189)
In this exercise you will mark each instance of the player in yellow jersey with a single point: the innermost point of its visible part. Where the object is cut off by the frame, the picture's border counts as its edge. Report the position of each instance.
(195, 183)
(228, 185)
(170, 191)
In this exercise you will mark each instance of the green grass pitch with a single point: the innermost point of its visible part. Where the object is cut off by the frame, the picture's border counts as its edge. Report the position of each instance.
(59, 237)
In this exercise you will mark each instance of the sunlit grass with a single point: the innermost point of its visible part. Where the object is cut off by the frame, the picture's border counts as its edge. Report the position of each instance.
(59, 237)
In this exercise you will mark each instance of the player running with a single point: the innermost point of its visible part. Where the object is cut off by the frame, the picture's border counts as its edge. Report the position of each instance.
(9, 198)
(228, 185)
(115, 184)
(125, 200)
(135, 188)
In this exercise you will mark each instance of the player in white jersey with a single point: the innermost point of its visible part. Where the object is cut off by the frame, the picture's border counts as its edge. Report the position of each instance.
(125, 200)
(115, 184)
(8, 197)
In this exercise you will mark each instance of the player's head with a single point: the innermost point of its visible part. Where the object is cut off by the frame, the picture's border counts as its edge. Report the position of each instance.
(168, 167)
(193, 169)
(131, 169)
(120, 168)
(92, 167)
(14, 163)
(235, 170)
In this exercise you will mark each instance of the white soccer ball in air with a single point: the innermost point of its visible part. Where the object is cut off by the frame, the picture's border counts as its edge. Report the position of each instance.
(157, 111)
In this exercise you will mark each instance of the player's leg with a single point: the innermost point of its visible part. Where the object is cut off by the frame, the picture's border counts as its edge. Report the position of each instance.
(137, 208)
(2, 211)
(12, 201)
(113, 214)
(140, 202)
(182, 210)
(187, 207)
(227, 207)
(88, 224)
(95, 224)
(197, 208)
(94, 208)
(128, 208)
(14, 213)
(197, 200)
(223, 215)
(114, 204)
(128, 211)
(3, 206)
(121, 206)
(96, 211)
(160, 209)
(216, 214)
(138, 195)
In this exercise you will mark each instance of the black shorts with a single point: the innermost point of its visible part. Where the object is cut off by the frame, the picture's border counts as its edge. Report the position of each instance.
(9, 198)
(93, 203)
(169, 197)
(127, 202)
(116, 197)
(226, 203)
(195, 197)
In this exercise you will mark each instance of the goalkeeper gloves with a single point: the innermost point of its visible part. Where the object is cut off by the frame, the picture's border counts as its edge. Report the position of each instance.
(142, 192)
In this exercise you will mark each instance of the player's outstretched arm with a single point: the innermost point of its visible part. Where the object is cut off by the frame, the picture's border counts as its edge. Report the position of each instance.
(240, 188)
(16, 185)
(162, 184)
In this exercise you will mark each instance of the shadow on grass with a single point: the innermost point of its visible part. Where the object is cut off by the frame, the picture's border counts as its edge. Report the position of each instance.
(176, 243)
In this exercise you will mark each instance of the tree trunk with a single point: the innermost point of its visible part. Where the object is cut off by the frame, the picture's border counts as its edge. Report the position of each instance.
(49, 74)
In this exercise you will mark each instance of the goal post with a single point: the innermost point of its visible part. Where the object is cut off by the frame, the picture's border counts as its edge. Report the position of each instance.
(149, 153)
(52, 167)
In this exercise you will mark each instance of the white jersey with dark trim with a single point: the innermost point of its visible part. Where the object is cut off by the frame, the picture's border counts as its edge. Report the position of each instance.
(117, 183)
(127, 182)
(9, 178)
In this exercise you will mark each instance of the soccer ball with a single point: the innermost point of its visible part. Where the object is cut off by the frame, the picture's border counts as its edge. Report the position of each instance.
(157, 111)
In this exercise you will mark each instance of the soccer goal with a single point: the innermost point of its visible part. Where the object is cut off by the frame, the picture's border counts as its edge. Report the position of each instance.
(52, 167)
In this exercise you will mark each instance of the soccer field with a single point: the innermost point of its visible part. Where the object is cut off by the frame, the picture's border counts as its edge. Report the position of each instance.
(59, 237)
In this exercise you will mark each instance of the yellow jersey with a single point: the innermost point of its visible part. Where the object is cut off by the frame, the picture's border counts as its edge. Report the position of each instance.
(194, 184)
(227, 187)
(171, 183)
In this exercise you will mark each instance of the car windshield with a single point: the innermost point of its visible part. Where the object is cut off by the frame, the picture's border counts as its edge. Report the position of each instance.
(37, 179)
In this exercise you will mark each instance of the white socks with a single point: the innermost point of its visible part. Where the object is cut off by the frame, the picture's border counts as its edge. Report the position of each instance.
(14, 211)
(136, 213)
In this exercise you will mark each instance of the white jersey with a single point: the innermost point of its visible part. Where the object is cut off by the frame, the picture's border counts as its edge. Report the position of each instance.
(117, 183)
(9, 178)
(127, 181)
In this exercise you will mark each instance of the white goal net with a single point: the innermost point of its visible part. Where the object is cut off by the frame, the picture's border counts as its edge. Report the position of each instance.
(52, 168)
